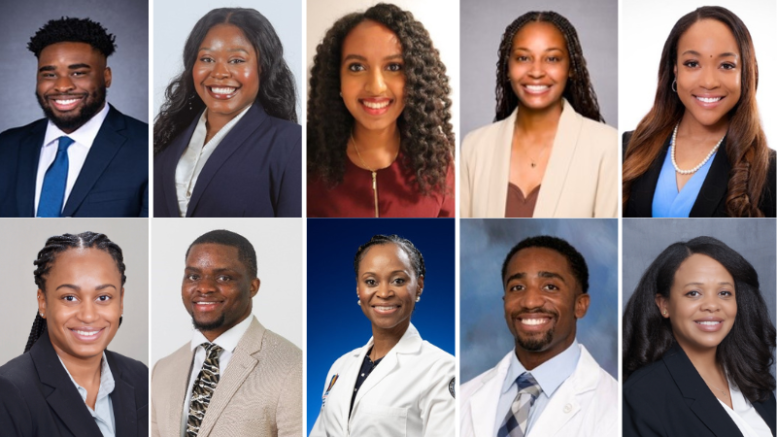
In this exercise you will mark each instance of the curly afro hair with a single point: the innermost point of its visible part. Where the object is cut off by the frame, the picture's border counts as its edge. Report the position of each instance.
(426, 134)
(73, 30)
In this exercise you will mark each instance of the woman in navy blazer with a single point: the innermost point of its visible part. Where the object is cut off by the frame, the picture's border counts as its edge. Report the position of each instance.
(67, 384)
(698, 345)
(226, 142)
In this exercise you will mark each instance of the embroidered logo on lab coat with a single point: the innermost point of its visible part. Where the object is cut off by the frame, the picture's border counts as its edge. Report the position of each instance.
(452, 387)
(326, 394)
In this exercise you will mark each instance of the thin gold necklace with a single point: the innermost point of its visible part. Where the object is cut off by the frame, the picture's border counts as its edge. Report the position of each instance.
(374, 174)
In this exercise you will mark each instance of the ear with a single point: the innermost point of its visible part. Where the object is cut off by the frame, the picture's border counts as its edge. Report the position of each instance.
(42, 303)
(107, 76)
(675, 71)
(663, 304)
(121, 300)
(581, 305)
(420, 287)
(255, 286)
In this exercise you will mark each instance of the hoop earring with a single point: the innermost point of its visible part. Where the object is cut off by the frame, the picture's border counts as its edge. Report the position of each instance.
(674, 85)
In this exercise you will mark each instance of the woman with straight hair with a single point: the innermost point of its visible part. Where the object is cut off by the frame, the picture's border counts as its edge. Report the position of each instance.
(698, 347)
(701, 151)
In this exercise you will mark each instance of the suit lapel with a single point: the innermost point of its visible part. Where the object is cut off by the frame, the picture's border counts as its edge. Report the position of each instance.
(699, 397)
(123, 399)
(644, 188)
(564, 146)
(241, 365)
(713, 190)
(63, 398)
(234, 140)
(170, 158)
(500, 172)
(105, 146)
(176, 390)
(29, 154)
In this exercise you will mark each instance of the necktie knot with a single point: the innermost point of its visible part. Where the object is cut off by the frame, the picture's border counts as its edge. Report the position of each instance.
(212, 350)
(527, 384)
(64, 143)
(517, 420)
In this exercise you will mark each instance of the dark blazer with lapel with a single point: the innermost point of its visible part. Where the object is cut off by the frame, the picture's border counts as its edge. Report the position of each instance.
(38, 399)
(256, 171)
(112, 183)
(669, 398)
(711, 201)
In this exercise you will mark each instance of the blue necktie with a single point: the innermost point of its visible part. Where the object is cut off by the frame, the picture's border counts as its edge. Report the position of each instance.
(517, 419)
(52, 194)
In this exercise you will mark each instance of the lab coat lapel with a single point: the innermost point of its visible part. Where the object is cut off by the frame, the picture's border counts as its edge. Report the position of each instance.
(241, 365)
(123, 399)
(564, 145)
(483, 403)
(29, 155)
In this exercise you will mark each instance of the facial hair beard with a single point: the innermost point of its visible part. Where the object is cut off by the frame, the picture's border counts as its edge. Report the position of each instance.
(209, 326)
(534, 344)
(92, 105)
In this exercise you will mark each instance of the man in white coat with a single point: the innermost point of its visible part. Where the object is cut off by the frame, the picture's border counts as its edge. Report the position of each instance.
(549, 385)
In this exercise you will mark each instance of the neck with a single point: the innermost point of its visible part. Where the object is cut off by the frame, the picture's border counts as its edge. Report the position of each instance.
(691, 128)
(215, 122)
(84, 370)
(703, 360)
(385, 339)
(376, 140)
(539, 120)
(533, 359)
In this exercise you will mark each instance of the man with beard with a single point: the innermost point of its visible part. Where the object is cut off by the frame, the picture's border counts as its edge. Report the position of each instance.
(549, 385)
(85, 159)
(235, 378)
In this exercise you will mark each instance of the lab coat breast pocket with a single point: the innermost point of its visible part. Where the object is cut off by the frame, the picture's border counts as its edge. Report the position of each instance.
(380, 420)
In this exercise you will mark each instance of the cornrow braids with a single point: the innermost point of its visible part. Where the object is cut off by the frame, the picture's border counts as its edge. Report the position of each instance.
(579, 91)
(47, 256)
(416, 259)
(73, 30)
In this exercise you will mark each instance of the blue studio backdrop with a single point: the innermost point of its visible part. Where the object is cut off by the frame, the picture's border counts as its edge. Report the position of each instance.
(336, 324)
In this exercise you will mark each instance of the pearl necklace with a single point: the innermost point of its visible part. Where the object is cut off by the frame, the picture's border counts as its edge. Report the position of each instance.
(695, 169)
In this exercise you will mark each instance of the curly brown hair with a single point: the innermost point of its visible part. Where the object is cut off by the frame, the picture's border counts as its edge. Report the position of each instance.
(426, 134)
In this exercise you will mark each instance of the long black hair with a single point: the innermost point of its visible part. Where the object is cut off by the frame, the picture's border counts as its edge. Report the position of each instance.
(579, 91)
(48, 255)
(745, 353)
(276, 91)
(425, 130)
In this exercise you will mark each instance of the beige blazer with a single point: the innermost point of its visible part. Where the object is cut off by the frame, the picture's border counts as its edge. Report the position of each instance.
(260, 394)
(581, 179)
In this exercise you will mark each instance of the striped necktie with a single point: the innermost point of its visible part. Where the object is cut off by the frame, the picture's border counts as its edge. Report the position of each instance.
(203, 388)
(52, 193)
(518, 417)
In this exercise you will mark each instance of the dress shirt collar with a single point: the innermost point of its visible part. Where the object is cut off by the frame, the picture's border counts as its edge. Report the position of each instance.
(84, 135)
(550, 374)
(228, 340)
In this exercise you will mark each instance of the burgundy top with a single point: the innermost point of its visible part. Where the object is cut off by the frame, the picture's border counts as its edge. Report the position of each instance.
(397, 197)
(517, 205)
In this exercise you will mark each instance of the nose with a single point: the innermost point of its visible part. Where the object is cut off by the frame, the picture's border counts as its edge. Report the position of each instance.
(536, 71)
(384, 290)
(532, 298)
(709, 78)
(710, 303)
(63, 84)
(376, 83)
(88, 313)
(206, 284)
(220, 71)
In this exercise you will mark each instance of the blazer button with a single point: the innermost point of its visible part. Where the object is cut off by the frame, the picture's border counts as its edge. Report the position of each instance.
(567, 408)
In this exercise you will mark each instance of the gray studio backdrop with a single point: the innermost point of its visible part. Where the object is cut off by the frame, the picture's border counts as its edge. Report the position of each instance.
(485, 338)
(482, 25)
(128, 20)
(22, 239)
(174, 20)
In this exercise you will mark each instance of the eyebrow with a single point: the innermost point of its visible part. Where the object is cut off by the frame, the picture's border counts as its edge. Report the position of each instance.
(699, 283)
(220, 270)
(547, 50)
(722, 55)
(77, 288)
(236, 49)
(541, 274)
(70, 67)
(362, 58)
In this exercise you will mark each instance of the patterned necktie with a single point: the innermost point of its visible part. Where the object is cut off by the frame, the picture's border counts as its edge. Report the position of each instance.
(518, 417)
(52, 193)
(203, 388)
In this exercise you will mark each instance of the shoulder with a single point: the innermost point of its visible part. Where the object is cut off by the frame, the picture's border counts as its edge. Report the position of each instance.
(285, 127)
(176, 361)
(436, 356)
(281, 348)
(482, 137)
(474, 384)
(133, 367)
(599, 136)
(645, 380)
(16, 133)
(133, 125)
(19, 369)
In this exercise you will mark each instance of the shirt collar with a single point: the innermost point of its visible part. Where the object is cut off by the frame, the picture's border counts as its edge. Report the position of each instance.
(550, 374)
(84, 135)
(228, 340)
(107, 383)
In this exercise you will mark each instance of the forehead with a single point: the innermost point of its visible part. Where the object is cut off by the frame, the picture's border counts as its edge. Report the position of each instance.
(70, 53)
(77, 261)
(388, 254)
(539, 34)
(537, 259)
(708, 37)
(213, 255)
(371, 39)
(702, 268)
(226, 37)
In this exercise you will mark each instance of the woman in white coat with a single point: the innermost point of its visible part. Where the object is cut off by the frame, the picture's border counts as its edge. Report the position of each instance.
(397, 384)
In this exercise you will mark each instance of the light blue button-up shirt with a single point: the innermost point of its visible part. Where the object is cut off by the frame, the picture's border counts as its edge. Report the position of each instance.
(103, 407)
(549, 375)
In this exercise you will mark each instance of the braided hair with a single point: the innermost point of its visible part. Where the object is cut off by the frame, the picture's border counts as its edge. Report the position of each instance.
(579, 91)
(47, 256)
(416, 259)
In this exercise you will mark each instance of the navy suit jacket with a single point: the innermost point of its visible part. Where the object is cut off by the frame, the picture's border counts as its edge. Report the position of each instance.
(256, 171)
(38, 399)
(112, 183)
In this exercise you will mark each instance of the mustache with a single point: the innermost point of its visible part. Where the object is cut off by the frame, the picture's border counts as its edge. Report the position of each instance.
(519, 313)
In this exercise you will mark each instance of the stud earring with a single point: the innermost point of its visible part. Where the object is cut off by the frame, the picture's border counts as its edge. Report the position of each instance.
(674, 85)
(191, 100)
(418, 299)
(664, 312)
(359, 302)
(341, 94)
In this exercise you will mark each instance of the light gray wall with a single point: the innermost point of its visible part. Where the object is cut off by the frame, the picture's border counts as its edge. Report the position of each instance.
(22, 239)
(482, 24)
(19, 21)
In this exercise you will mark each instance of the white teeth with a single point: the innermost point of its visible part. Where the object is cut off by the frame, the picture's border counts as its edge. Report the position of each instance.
(534, 321)
(384, 308)
(86, 333)
(205, 303)
(710, 323)
(222, 90)
(709, 99)
(376, 105)
(66, 102)
(536, 88)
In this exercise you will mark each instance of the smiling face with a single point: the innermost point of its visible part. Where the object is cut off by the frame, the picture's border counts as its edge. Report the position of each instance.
(217, 288)
(542, 303)
(82, 303)
(372, 76)
(702, 303)
(71, 82)
(708, 72)
(388, 287)
(539, 65)
(226, 72)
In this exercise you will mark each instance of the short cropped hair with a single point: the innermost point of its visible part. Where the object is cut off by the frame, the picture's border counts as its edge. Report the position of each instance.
(574, 258)
(73, 30)
(245, 250)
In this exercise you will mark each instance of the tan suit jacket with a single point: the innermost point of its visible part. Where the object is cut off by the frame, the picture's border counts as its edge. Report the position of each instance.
(581, 179)
(260, 393)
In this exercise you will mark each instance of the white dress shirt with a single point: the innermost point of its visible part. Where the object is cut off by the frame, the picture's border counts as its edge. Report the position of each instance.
(196, 155)
(103, 406)
(744, 415)
(83, 138)
(227, 341)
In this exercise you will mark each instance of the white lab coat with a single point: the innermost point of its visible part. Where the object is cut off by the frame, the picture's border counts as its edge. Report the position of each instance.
(409, 393)
(585, 405)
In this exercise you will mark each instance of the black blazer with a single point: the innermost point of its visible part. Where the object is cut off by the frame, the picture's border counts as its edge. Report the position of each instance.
(38, 399)
(669, 398)
(711, 201)
(112, 183)
(256, 171)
